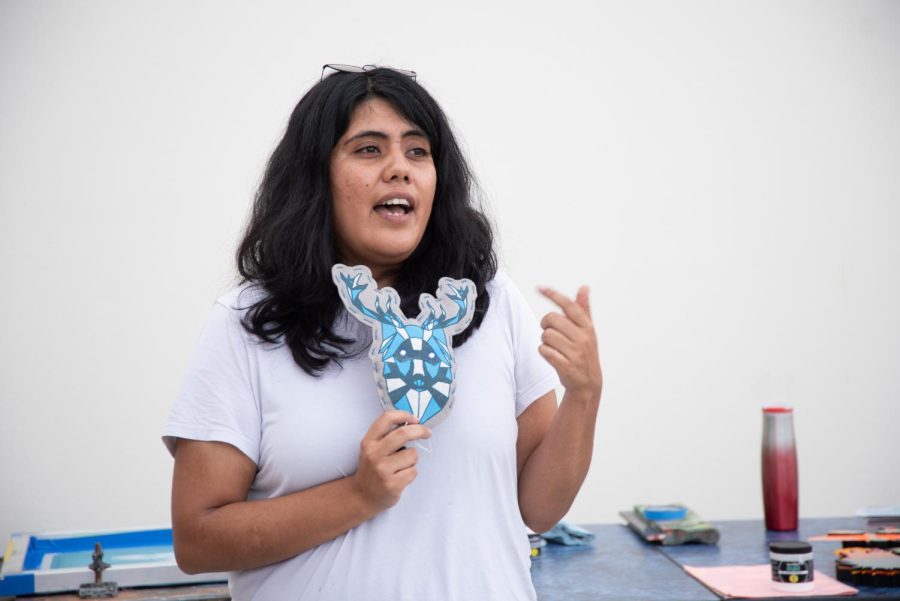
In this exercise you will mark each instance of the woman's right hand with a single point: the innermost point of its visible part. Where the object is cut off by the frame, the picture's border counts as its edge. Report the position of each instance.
(386, 465)
(217, 529)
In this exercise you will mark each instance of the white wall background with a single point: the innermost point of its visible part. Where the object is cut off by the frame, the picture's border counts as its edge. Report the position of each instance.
(725, 176)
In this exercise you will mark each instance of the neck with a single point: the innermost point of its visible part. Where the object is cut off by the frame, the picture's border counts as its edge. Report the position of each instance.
(383, 277)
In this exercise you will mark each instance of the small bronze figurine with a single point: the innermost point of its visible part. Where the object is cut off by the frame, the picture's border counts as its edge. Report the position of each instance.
(98, 589)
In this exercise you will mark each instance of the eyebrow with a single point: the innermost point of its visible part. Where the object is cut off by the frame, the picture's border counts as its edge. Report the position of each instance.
(372, 133)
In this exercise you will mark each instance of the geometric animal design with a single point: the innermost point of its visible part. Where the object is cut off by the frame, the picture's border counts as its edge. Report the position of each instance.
(412, 358)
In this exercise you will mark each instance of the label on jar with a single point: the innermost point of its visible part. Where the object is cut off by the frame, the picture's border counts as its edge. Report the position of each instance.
(792, 569)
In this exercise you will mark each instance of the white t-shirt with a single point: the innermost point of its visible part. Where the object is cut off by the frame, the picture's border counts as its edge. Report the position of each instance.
(455, 534)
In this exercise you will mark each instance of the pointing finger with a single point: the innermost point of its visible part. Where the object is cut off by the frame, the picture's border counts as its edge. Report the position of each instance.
(572, 309)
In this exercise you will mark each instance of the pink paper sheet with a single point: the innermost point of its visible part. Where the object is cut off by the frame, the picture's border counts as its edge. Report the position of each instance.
(755, 582)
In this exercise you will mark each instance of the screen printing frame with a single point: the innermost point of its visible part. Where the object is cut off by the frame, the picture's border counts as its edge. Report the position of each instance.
(36, 563)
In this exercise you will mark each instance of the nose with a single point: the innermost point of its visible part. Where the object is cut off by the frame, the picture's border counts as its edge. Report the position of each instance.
(397, 167)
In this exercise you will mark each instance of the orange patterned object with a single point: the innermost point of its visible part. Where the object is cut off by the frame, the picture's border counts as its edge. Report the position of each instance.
(868, 566)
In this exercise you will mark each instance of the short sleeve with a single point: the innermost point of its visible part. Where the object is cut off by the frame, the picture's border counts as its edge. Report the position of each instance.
(218, 401)
(535, 377)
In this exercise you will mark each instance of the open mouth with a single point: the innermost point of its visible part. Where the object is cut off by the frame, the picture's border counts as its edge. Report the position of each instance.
(394, 206)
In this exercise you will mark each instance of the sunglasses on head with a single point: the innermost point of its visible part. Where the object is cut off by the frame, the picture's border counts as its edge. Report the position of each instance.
(354, 69)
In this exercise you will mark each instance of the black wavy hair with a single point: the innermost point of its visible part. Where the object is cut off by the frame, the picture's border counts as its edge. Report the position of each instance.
(289, 244)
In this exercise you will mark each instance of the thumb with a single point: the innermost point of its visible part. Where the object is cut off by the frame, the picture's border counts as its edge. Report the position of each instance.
(582, 299)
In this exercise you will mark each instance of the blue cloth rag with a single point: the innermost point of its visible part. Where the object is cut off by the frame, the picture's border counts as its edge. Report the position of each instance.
(567, 534)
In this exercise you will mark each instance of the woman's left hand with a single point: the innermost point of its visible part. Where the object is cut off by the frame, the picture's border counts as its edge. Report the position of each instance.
(570, 345)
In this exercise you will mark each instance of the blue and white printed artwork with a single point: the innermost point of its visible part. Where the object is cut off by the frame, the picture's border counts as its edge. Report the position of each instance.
(413, 358)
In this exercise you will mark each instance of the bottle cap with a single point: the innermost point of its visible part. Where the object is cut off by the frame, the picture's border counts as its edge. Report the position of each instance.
(790, 547)
(661, 513)
(778, 410)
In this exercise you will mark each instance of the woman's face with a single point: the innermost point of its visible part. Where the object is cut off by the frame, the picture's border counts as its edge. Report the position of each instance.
(382, 184)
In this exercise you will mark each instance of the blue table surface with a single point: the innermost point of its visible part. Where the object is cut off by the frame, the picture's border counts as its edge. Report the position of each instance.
(617, 566)
(620, 565)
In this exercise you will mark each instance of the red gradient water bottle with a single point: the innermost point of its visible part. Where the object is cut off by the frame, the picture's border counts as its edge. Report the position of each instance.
(779, 469)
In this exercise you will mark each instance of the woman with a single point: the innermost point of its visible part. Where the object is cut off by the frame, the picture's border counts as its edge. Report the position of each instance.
(287, 472)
